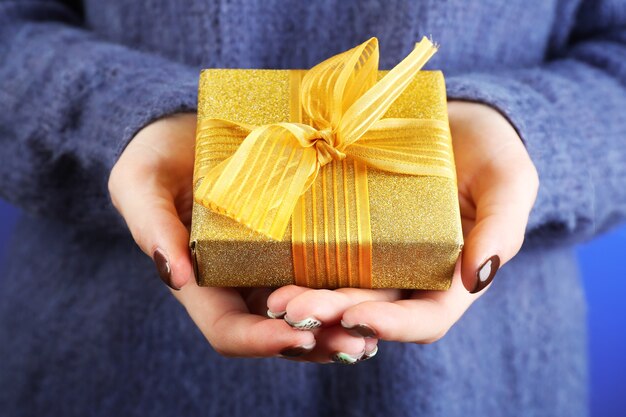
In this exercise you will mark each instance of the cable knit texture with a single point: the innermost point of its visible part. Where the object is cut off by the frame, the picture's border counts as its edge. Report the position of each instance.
(87, 329)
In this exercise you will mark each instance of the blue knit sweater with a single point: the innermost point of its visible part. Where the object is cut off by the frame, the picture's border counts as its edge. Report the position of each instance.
(87, 328)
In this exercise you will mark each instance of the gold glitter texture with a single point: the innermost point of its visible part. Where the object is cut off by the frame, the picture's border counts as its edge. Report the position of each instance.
(415, 220)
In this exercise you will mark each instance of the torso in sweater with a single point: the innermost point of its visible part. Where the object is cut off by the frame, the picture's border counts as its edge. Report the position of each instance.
(481, 35)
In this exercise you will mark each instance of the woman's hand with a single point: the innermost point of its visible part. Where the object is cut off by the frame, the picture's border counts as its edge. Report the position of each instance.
(151, 186)
(497, 188)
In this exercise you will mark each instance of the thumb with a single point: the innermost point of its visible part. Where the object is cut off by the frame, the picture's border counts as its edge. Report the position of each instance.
(504, 199)
(152, 218)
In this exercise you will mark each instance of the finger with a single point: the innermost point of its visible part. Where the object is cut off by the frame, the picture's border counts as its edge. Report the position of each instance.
(256, 299)
(333, 344)
(314, 308)
(424, 318)
(420, 321)
(371, 349)
(222, 316)
(330, 343)
(278, 299)
(149, 211)
(504, 196)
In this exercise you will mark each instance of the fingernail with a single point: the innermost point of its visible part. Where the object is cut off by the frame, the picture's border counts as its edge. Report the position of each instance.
(305, 324)
(163, 266)
(278, 315)
(294, 352)
(486, 272)
(359, 330)
(342, 357)
(370, 354)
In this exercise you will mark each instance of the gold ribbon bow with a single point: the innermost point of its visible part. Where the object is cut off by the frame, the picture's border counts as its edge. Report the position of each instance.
(261, 182)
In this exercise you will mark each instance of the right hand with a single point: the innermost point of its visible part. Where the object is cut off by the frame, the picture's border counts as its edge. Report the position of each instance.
(151, 187)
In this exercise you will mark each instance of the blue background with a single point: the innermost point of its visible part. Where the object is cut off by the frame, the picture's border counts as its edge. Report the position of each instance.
(602, 263)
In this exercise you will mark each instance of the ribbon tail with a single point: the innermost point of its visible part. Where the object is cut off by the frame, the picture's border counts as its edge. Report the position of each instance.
(260, 184)
(407, 146)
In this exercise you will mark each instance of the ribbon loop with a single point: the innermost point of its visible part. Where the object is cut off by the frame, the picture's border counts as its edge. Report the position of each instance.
(261, 182)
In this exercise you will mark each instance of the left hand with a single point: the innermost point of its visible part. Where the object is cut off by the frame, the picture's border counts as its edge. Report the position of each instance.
(497, 188)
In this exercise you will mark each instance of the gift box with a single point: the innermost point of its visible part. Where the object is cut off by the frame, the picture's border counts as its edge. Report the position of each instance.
(373, 209)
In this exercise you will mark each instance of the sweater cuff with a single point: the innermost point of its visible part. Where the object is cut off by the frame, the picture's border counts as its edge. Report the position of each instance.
(158, 93)
(565, 199)
(159, 89)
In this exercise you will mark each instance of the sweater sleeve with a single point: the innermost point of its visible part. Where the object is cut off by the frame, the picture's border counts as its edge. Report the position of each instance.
(69, 103)
(570, 113)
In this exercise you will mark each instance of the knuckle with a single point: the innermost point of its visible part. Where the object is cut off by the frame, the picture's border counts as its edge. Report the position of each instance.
(220, 350)
(289, 287)
(249, 339)
(227, 354)
(323, 293)
(220, 347)
(112, 181)
(314, 292)
(532, 175)
(440, 334)
(435, 337)
(309, 301)
(534, 178)
(139, 234)
(446, 320)
(349, 293)
(114, 199)
(214, 333)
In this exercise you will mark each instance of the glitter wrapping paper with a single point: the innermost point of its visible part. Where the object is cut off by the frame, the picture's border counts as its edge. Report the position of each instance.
(415, 220)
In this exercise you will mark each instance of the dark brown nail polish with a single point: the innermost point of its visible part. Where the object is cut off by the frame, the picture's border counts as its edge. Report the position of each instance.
(163, 266)
(359, 330)
(486, 272)
(297, 351)
(194, 260)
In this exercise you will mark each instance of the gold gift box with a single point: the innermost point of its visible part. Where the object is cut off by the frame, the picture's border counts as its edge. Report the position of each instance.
(415, 221)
